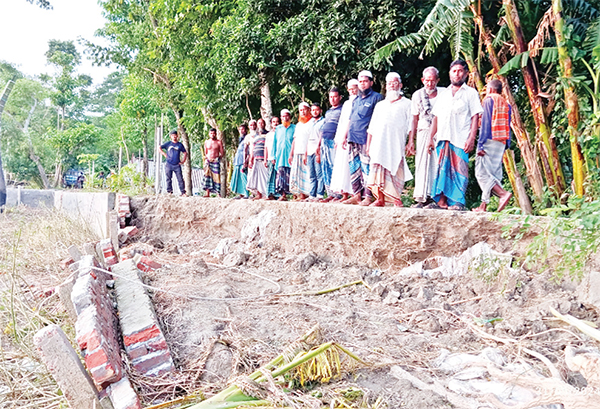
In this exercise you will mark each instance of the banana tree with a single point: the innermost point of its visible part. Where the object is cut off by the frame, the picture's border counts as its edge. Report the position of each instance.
(453, 20)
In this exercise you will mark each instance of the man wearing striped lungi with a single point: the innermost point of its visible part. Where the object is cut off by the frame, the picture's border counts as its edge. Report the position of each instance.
(269, 140)
(494, 138)
(213, 152)
(455, 123)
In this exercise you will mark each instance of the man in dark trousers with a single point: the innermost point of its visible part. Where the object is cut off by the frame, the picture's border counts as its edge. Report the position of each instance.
(174, 150)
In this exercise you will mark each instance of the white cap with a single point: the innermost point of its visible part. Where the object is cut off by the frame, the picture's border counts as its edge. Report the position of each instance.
(285, 111)
(391, 76)
(303, 104)
(353, 83)
(365, 73)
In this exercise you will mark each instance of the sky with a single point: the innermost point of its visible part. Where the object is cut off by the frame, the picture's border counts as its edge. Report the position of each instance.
(25, 30)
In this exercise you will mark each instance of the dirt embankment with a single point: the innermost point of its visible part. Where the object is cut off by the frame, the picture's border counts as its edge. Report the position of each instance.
(382, 237)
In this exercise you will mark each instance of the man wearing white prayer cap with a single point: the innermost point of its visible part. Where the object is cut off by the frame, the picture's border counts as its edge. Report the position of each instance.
(387, 132)
(360, 117)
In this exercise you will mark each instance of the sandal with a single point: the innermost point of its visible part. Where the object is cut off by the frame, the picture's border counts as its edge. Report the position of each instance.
(458, 208)
(418, 205)
(434, 205)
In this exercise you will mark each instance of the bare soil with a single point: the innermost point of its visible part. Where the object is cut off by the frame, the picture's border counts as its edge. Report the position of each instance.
(236, 300)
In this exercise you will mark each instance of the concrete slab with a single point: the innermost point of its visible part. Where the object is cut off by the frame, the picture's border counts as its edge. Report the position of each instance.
(29, 197)
(63, 363)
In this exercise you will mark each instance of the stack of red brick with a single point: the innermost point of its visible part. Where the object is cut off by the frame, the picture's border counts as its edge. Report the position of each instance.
(123, 209)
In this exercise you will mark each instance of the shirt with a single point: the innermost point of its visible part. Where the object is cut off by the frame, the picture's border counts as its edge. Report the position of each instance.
(454, 113)
(301, 136)
(362, 110)
(259, 147)
(315, 136)
(389, 127)
(422, 105)
(269, 139)
(485, 132)
(174, 150)
(282, 146)
(332, 118)
(238, 159)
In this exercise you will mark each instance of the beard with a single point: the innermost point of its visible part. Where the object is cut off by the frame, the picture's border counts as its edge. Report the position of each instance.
(459, 82)
(363, 93)
(430, 91)
(392, 95)
(352, 97)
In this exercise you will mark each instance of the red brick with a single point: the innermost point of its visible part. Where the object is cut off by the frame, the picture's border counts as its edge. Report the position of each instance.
(146, 264)
(148, 364)
(97, 358)
(105, 373)
(157, 345)
(90, 341)
(66, 263)
(141, 336)
(137, 351)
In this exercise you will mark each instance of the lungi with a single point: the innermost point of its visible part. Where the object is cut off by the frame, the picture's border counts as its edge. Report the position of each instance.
(452, 176)
(425, 163)
(327, 160)
(359, 167)
(283, 180)
(212, 176)
(238, 181)
(340, 177)
(382, 179)
(299, 178)
(258, 178)
(488, 168)
(271, 189)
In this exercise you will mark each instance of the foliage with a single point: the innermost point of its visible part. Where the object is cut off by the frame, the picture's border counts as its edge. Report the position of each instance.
(128, 181)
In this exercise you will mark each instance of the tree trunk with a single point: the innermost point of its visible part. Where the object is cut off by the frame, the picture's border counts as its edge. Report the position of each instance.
(534, 175)
(571, 100)
(544, 140)
(57, 172)
(185, 140)
(32, 155)
(266, 107)
(145, 153)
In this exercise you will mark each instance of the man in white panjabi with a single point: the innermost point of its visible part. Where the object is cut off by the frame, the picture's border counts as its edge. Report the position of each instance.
(423, 102)
(386, 144)
(340, 175)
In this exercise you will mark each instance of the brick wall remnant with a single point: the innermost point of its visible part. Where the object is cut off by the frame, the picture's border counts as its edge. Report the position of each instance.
(144, 341)
(108, 252)
(123, 209)
(96, 327)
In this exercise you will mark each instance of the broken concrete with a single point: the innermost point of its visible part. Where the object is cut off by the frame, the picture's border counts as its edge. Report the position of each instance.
(63, 363)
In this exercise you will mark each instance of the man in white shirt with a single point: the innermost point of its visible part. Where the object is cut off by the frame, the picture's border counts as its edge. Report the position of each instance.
(423, 101)
(386, 140)
(299, 180)
(455, 122)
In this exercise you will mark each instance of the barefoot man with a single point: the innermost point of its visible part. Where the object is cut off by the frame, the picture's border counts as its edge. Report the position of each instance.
(386, 143)
(494, 138)
(455, 123)
(213, 152)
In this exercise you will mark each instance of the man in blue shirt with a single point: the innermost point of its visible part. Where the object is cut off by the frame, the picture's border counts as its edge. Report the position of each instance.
(239, 177)
(360, 117)
(327, 144)
(174, 149)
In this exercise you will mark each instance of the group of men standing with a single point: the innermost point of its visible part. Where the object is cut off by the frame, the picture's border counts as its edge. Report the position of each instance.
(356, 153)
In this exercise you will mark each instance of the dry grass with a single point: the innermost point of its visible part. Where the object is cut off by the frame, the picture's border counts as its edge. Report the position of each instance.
(32, 244)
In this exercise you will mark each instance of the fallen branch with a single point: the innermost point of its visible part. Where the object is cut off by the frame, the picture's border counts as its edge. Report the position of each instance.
(321, 292)
(577, 323)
